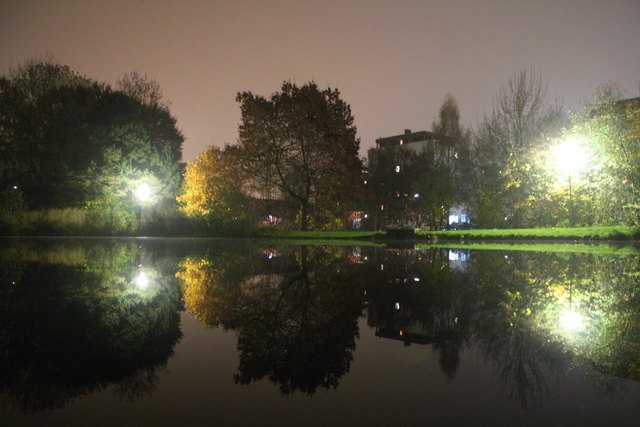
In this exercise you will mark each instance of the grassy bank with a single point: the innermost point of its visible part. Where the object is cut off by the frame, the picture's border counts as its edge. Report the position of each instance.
(557, 247)
(323, 235)
(581, 233)
(82, 222)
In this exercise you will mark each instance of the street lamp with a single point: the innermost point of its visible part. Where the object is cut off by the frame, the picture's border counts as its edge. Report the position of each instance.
(143, 193)
(570, 158)
(142, 281)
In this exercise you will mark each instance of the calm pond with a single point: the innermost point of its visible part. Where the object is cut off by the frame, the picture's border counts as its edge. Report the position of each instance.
(153, 332)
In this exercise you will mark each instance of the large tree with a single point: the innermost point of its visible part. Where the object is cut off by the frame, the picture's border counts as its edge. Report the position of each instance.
(607, 190)
(452, 173)
(45, 114)
(62, 134)
(507, 153)
(211, 190)
(300, 144)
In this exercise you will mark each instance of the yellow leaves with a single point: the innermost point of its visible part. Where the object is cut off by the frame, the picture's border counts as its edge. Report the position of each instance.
(206, 180)
(199, 281)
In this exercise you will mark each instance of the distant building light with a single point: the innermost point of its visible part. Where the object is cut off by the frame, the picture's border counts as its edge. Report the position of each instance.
(397, 306)
(15, 187)
(397, 168)
(415, 196)
(365, 182)
(416, 279)
(401, 142)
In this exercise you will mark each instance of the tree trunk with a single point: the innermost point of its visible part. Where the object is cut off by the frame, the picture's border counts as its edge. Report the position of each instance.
(304, 214)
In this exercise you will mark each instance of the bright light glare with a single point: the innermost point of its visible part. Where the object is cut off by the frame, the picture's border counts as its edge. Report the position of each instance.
(143, 192)
(571, 321)
(570, 156)
(142, 281)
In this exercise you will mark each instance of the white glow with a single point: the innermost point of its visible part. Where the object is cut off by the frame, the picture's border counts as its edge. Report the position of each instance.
(570, 156)
(143, 192)
(142, 281)
(571, 321)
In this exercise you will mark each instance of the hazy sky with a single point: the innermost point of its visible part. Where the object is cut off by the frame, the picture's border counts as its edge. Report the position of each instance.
(393, 61)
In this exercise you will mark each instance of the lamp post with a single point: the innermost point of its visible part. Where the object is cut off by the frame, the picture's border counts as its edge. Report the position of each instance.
(570, 158)
(143, 194)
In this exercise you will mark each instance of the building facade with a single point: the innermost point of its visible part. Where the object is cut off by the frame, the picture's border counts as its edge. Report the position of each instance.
(413, 178)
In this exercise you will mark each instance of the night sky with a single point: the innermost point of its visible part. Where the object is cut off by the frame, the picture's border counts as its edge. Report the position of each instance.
(393, 61)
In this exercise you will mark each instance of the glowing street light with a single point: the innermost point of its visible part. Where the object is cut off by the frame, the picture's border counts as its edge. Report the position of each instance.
(142, 281)
(571, 321)
(570, 158)
(143, 192)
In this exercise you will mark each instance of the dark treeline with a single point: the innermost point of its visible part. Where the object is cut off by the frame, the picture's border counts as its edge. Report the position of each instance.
(67, 141)
(74, 153)
(529, 163)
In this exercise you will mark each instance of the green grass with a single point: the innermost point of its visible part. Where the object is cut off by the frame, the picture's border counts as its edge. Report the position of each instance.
(326, 235)
(584, 248)
(320, 242)
(581, 233)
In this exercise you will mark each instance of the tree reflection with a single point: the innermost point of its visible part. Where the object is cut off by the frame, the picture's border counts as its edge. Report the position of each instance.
(295, 315)
(509, 305)
(524, 297)
(295, 310)
(73, 321)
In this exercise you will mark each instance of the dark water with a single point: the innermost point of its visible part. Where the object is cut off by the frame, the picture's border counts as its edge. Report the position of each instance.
(232, 332)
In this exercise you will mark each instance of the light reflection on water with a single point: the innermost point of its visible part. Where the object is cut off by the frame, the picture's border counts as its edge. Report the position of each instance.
(176, 331)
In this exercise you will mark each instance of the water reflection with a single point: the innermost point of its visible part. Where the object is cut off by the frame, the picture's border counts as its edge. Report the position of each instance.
(295, 315)
(77, 317)
(295, 310)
